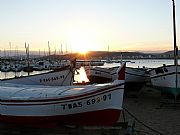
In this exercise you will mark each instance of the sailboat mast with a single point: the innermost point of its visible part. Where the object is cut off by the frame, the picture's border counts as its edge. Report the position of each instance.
(66, 48)
(174, 35)
(175, 46)
(61, 50)
(108, 53)
(10, 49)
(49, 50)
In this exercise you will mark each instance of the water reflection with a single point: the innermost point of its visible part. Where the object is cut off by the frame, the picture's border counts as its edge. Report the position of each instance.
(81, 76)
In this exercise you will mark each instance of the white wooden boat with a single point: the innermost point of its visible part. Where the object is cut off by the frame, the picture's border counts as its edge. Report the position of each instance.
(134, 77)
(80, 105)
(98, 74)
(59, 77)
(167, 78)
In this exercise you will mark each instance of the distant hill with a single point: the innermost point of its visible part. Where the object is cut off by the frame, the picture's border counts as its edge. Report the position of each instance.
(105, 53)
(116, 54)
(170, 52)
(92, 55)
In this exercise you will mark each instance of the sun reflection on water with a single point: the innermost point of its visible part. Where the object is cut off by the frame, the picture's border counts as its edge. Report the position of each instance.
(81, 77)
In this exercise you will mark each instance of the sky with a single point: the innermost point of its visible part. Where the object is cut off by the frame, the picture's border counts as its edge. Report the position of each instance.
(88, 25)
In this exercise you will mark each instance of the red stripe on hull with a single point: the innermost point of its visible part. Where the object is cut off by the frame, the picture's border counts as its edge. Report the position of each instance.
(106, 117)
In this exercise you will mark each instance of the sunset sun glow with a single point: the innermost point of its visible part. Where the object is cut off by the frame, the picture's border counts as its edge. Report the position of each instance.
(82, 41)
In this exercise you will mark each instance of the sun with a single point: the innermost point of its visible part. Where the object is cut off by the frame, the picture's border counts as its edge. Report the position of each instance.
(83, 51)
(82, 41)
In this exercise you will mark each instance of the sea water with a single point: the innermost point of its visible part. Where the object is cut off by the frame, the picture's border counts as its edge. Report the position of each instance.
(140, 63)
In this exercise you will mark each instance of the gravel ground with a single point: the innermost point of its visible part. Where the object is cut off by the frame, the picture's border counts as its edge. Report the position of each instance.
(146, 106)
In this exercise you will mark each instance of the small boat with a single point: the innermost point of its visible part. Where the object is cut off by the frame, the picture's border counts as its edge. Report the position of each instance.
(135, 78)
(98, 74)
(59, 77)
(167, 77)
(99, 104)
(5, 67)
(16, 67)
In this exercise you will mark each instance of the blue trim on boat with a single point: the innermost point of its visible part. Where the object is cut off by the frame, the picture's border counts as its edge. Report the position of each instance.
(173, 91)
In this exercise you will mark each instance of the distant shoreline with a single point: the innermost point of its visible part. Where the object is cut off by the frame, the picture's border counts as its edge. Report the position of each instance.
(90, 55)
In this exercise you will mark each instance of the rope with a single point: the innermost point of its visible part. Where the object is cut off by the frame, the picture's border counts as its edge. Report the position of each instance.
(156, 131)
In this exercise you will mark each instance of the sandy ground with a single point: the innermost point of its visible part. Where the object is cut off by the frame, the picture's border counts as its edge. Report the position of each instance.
(143, 105)
(146, 105)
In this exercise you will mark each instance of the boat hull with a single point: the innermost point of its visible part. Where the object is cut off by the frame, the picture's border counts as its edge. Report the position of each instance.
(98, 74)
(164, 79)
(168, 90)
(98, 79)
(98, 118)
(136, 75)
(97, 106)
(61, 77)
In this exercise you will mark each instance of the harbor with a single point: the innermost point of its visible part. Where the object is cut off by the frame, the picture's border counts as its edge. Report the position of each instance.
(108, 68)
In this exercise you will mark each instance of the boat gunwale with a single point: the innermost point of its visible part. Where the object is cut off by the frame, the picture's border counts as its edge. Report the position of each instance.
(99, 90)
(51, 71)
(161, 67)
